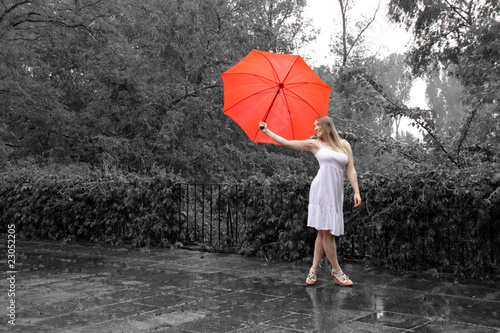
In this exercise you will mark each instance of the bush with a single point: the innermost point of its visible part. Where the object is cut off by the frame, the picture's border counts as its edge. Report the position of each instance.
(93, 206)
(417, 219)
(277, 215)
(444, 219)
(410, 219)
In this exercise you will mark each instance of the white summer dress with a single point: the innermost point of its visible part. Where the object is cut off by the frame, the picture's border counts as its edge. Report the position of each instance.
(326, 196)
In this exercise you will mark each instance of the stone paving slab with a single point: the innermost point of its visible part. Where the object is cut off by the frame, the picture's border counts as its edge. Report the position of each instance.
(82, 287)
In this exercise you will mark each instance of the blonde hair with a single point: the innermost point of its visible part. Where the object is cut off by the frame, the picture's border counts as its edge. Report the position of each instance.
(330, 132)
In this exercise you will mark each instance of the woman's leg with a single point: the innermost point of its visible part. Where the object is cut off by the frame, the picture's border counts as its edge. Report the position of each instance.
(330, 248)
(319, 251)
(318, 255)
(331, 252)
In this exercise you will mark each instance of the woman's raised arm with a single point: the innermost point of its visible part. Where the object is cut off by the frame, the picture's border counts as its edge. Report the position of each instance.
(304, 145)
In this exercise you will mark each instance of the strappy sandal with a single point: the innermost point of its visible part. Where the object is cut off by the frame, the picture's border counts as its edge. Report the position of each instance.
(341, 279)
(312, 276)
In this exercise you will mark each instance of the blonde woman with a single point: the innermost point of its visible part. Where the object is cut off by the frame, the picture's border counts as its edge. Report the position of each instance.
(326, 196)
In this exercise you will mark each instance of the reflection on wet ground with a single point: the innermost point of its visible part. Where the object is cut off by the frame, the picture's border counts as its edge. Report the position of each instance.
(92, 288)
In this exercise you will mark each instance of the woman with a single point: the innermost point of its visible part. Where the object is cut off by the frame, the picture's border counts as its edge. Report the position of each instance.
(327, 191)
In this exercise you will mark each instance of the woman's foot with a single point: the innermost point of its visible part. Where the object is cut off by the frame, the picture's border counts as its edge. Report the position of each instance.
(312, 276)
(341, 279)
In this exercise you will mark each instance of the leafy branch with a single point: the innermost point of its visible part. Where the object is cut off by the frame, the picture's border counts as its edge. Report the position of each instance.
(397, 108)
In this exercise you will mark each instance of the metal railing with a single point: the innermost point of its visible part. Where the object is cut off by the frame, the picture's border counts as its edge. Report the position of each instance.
(216, 215)
(210, 213)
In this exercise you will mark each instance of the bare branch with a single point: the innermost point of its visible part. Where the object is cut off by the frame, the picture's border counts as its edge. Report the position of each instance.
(343, 11)
(363, 30)
(194, 93)
(27, 18)
(91, 4)
(465, 129)
(10, 9)
(457, 11)
(344, 32)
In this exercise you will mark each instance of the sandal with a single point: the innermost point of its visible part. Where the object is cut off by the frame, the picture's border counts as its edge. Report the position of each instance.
(341, 279)
(312, 276)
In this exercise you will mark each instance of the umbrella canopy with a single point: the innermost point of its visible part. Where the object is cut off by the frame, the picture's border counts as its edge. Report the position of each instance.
(280, 89)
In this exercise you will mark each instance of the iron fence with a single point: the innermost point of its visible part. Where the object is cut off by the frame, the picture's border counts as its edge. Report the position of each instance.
(211, 214)
(216, 215)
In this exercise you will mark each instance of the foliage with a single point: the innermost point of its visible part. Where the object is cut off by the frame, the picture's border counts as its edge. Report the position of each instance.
(461, 37)
(441, 28)
(132, 85)
(127, 89)
(443, 219)
(446, 219)
(81, 204)
(276, 210)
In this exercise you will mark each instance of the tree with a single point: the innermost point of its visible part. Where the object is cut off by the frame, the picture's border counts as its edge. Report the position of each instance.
(359, 71)
(348, 40)
(34, 63)
(132, 85)
(274, 26)
(441, 28)
(462, 37)
(444, 97)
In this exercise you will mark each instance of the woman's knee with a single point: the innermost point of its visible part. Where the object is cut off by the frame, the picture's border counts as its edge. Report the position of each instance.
(326, 236)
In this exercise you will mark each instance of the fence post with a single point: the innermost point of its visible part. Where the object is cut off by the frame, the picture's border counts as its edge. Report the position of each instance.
(491, 240)
(180, 208)
(203, 212)
(229, 221)
(187, 211)
(219, 215)
(237, 202)
(225, 192)
(211, 211)
(195, 212)
(245, 203)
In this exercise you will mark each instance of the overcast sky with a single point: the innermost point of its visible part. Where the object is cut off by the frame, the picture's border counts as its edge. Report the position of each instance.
(386, 37)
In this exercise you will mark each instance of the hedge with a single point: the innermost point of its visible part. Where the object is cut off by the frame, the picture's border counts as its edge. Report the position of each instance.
(447, 220)
(91, 206)
(444, 219)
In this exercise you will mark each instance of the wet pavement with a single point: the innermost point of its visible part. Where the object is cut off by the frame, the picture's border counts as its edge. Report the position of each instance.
(80, 287)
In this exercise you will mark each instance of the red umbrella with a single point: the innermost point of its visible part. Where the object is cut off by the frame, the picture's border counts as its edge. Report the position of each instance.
(280, 89)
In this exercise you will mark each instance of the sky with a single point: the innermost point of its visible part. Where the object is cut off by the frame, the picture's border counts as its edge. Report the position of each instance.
(386, 37)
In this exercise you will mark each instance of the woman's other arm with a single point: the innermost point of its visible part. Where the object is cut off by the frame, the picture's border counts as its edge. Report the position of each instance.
(351, 174)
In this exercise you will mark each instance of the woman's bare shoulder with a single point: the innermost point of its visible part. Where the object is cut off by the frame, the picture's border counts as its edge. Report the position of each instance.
(314, 144)
(345, 143)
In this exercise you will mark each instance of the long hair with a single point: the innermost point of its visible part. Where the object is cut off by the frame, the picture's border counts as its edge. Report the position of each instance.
(330, 132)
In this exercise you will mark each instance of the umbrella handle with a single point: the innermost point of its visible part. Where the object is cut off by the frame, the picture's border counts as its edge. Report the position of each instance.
(261, 127)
